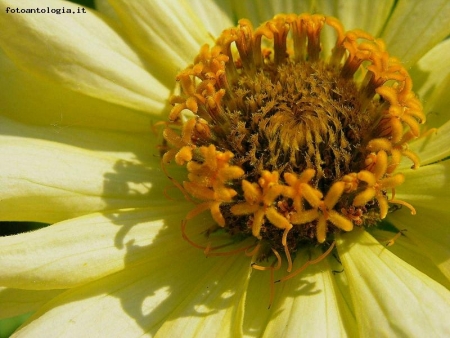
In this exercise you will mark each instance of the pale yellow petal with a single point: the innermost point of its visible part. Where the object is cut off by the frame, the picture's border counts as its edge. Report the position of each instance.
(428, 229)
(431, 80)
(259, 11)
(403, 247)
(45, 181)
(427, 187)
(82, 52)
(104, 7)
(371, 16)
(169, 33)
(178, 286)
(415, 27)
(430, 148)
(215, 15)
(391, 298)
(367, 15)
(142, 147)
(32, 100)
(212, 310)
(14, 302)
(80, 250)
(308, 305)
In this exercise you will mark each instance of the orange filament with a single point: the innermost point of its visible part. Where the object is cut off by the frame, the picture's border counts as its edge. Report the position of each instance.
(176, 183)
(272, 288)
(286, 249)
(227, 253)
(186, 238)
(308, 263)
(208, 250)
(406, 204)
(271, 269)
(393, 239)
(166, 193)
(254, 251)
(264, 268)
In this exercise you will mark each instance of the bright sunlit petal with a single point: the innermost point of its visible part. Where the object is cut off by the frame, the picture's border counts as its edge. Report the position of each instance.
(175, 41)
(67, 59)
(134, 302)
(45, 99)
(85, 182)
(313, 296)
(216, 15)
(78, 251)
(391, 298)
(212, 309)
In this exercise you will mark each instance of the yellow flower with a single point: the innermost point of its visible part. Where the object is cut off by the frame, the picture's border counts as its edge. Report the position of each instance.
(79, 98)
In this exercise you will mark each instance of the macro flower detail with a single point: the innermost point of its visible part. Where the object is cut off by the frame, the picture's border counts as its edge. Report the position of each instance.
(268, 99)
(197, 174)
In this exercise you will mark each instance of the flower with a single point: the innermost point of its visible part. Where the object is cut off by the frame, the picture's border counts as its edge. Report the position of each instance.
(80, 94)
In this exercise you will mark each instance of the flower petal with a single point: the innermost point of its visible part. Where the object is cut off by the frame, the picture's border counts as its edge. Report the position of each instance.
(431, 148)
(391, 297)
(428, 229)
(427, 187)
(47, 182)
(80, 250)
(181, 288)
(371, 16)
(135, 146)
(431, 82)
(367, 15)
(404, 248)
(219, 306)
(415, 27)
(167, 32)
(33, 100)
(104, 7)
(258, 11)
(216, 16)
(14, 302)
(62, 48)
(312, 296)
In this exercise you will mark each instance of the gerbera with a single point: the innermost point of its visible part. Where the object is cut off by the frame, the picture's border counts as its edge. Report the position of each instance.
(85, 96)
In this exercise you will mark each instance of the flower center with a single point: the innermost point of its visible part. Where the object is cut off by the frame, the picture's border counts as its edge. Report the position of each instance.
(288, 144)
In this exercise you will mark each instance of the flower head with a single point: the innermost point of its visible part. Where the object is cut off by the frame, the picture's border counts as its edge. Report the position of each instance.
(294, 143)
